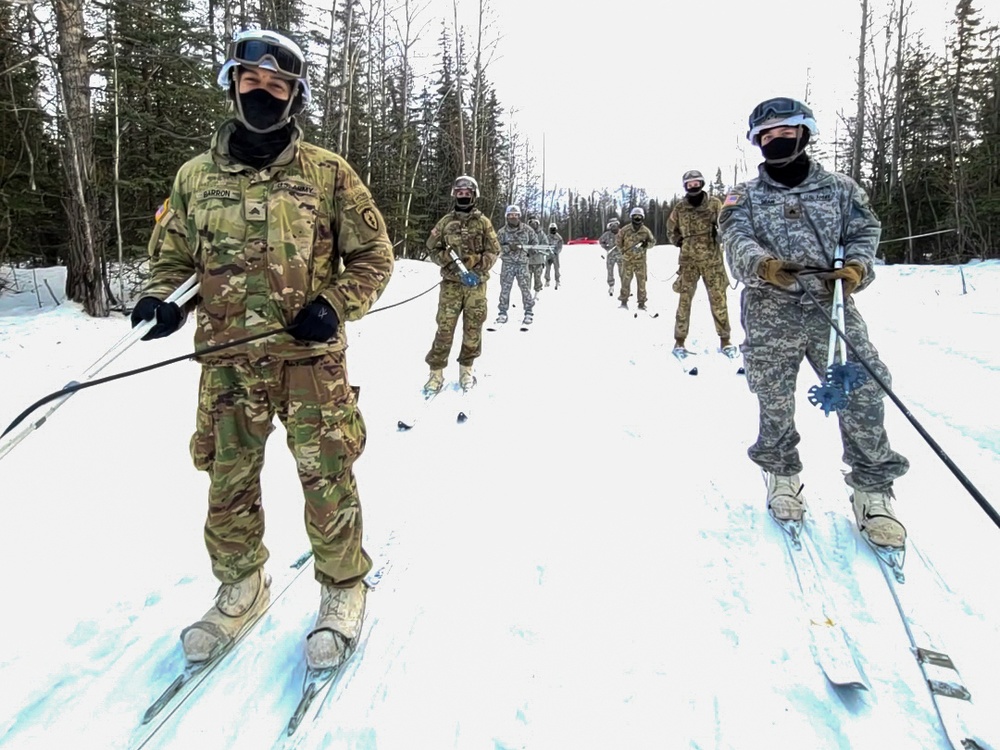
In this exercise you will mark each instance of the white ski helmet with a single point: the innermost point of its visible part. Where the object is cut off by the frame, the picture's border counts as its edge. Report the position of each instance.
(781, 110)
(465, 182)
(613, 223)
(553, 225)
(637, 211)
(268, 50)
(513, 210)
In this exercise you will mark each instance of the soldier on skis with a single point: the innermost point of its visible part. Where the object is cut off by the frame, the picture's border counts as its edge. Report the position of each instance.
(633, 241)
(279, 232)
(514, 239)
(693, 227)
(465, 245)
(552, 261)
(792, 216)
(537, 256)
(612, 255)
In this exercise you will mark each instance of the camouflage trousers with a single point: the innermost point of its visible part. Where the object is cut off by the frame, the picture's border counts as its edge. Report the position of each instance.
(552, 266)
(457, 300)
(713, 272)
(614, 260)
(536, 275)
(509, 271)
(780, 333)
(634, 266)
(325, 432)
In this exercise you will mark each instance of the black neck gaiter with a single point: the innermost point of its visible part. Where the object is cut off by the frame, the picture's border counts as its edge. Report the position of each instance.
(257, 150)
(792, 174)
(695, 199)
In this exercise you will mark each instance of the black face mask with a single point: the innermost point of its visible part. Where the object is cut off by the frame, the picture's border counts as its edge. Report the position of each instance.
(464, 203)
(637, 220)
(552, 231)
(779, 148)
(261, 110)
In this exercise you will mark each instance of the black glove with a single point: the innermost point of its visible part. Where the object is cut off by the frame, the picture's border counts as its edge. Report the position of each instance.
(168, 316)
(317, 321)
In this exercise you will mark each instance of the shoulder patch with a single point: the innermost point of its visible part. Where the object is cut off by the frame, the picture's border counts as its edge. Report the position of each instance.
(369, 218)
(733, 198)
(164, 207)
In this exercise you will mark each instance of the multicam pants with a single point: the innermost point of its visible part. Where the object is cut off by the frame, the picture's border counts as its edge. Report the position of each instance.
(633, 265)
(509, 271)
(713, 272)
(237, 403)
(456, 300)
(780, 333)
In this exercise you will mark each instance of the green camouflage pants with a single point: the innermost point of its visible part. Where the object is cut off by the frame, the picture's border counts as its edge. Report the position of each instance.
(780, 333)
(712, 270)
(633, 264)
(236, 407)
(456, 300)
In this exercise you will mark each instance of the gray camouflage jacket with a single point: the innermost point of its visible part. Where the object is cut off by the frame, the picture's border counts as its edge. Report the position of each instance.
(607, 241)
(512, 242)
(804, 224)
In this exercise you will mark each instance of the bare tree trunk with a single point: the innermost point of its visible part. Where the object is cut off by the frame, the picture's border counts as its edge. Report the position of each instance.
(84, 278)
(898, 163)
(343, 133)
(478, 93)
(458, 78)
(328, 76)
(859, 125)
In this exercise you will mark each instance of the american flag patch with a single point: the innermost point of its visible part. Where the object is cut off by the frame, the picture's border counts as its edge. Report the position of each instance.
(733, 199)
(164, 207)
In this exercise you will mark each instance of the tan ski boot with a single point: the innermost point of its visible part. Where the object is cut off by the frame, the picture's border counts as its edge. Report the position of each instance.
(466, 378)
(237, 606)
(338, 625)
(876, 518)
(435, 381)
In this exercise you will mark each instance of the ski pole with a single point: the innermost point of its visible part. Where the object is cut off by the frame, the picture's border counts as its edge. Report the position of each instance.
(183, 294)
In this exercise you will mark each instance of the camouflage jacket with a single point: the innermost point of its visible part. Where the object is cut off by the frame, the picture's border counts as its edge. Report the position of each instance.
(266, 243)
(607, 240)
(693, 228)
(628, 237)
(805, 224)
(470, 234)
(556, 242)
(513, 241)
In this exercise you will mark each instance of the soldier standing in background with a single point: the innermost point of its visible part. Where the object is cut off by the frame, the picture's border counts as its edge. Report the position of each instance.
(693, 228)
(612, 255)
(633, 241)
(514, 237)
(537, 255)
(462, 238)
(555, 246)
(793, 215)
(265, 220)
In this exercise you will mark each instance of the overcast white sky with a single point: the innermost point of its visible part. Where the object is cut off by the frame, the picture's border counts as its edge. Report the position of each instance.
(668, 86)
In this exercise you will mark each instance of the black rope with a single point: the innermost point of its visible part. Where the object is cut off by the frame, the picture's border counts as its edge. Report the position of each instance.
(952, 466)
(410, 299)
(74, 387)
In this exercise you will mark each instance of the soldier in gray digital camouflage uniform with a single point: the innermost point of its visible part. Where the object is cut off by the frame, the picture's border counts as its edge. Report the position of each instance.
(538, 255)
(514, 238)
(555, 247)
(278, 232)
(793, 216)
(613, 256)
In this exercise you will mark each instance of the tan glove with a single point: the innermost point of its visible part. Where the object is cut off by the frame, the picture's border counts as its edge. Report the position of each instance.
(778, 272)
(851, 274)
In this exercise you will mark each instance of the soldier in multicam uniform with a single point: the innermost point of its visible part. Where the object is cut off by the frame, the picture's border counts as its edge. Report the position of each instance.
(693, 227)
(613, 256)
(552, 262)
(280, 232)
(513, 237)
(538, 255)
(633, 241)
(466, 234)
(794, 215)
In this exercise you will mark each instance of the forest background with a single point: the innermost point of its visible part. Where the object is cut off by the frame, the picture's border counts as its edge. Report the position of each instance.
(102, 100)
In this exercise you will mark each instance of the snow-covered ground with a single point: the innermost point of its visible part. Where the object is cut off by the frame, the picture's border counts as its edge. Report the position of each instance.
(586, 563)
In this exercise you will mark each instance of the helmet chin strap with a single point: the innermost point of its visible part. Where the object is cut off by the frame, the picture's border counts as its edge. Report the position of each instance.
(286, 115)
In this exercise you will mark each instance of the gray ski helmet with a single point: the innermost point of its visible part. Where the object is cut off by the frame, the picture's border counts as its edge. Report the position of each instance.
(637, 211)
(692, 174)
(268, 50)
(614, 222)
(781, 110)
(465, 183)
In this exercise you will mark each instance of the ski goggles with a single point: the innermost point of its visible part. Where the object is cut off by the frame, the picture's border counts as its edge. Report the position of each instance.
(776, 108)
(255, 51)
